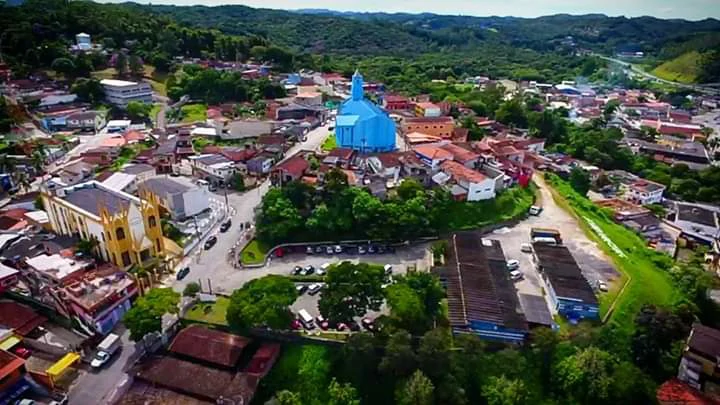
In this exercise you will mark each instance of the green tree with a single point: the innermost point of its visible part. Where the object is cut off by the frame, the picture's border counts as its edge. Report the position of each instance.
(286, 397)
(313, 372)
(400, 359)
(145, 316)
(586, 376)
(610, 108)
(414, 301)
(138, 111)
(121, 64)
(417, 390)
(64, 66)
(342, 394)
(191, 289)
(279, 219)
(512, 112)
(504, 391)
(263, 302)
(351, 290)
(434, 353)
(135, 66)
(409, 188)
(580, 181)
(238, 182)
(87, 246)
(88, 90)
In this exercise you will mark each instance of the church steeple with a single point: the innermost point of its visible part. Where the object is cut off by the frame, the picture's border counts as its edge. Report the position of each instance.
(357, 86)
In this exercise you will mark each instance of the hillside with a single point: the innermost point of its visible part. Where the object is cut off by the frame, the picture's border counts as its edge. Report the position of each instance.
(686, 68)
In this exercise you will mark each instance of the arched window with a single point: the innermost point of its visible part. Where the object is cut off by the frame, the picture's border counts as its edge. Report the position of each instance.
(152, 221)
(120, 233)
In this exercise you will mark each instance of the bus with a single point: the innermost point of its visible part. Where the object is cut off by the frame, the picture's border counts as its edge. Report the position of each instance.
(306, 319)
(546, 233)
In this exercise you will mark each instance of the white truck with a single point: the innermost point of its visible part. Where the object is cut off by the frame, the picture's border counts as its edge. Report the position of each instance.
(106, 349)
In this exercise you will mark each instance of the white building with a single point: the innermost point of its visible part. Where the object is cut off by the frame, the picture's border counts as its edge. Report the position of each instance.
(83, 41)
(644, 192)
(179, 199)
(122, 182)
(216, 167)
(121, 92)
(470, 185)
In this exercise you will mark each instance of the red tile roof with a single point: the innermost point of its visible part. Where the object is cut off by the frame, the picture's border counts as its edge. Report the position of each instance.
(342, 153)
(263, 359)
(389, 159)
(434, 120)
(9, 363)
(460, 172)
(209, 345)
(396, 99)
(19, 317)
(459, 153)
(238, 154)
(134, 136)
(295, 166)
(433, 152)
(676, 392)
(271, 140)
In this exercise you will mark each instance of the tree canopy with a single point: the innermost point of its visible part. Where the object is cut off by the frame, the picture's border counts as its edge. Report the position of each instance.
(351, 290)
(262, 302)
(145, 316)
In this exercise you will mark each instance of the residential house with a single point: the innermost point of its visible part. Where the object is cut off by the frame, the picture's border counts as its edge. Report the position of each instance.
(291, 169)
(465, 157)
(121, 92)
(85, 121)
(426, 109)
(470, 185)
(122, 182)
(127, 228)
(242, 129)
(443, 127)
(396, 103)
(261, 164)
(699, 363)
(340, 157)
(101, 298)
(699, 224)
(570, 293)
(55, 269)
(693, 154)
(215, 168)
(100, 156)
(644, 192)
(8, 277)
(481, 299)
(432, 155)
(176, 196)
(676, 392)
(142, 171)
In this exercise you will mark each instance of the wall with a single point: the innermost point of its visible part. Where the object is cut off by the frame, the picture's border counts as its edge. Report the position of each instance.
(497, 332)
(444, 130)
(480, 191)
(195, 201)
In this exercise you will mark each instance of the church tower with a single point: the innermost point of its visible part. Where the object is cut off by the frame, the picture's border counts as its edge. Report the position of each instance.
(357, 86)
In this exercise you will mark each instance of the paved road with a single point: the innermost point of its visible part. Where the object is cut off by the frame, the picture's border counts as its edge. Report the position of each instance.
(635, 69)
(100, 387)
(213, 264)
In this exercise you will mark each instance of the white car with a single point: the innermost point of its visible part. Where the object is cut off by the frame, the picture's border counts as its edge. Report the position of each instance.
(535, 210)
(526, 248)
(602, 286)
(516, 275)
(513, 264)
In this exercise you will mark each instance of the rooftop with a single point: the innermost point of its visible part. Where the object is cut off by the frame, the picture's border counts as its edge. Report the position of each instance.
(119, 180)
(564, 274)
(19, 317)
(704, 341)
(433, 120)
(91, 196)
(9, 363)
(676, 392)
(432, 152)
(98, 287)
(536, 309)
(57, 266)
(209, 345)
(137, 168)
(459, 153)
(647, 186)
(478, 285)
(697, 214)
(117, 83)
(460, 172)
(164, 187)
(295, 166)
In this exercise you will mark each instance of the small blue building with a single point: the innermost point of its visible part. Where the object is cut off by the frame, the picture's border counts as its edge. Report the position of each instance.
(569, 291)
(361, 125)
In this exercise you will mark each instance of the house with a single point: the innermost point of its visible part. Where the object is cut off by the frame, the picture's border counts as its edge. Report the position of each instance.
(426, 109)
(177, 197)
(121, 181)
(263, 359)
(126, 227)
(309, 98)
(644, 192)
(142, 171)
(215, 168)
(100, 299)
(100, 156)
(56, 269)
(133, 137)
(85, 121)
(676, 392)
(118, 125)
(121, 92)
(481, 299)
(220, 349)
(8, 277)
(568, 290)
(291, 169)
(396, 103)
(443, 127)
(260, 164)
(432, 155)
(470, 185)
(12, 371)
(699, 363)
(461, 155)
(242, 129)
(238, 155)
(699, 224)
(340, 157)
(693, 154)
(361, 125)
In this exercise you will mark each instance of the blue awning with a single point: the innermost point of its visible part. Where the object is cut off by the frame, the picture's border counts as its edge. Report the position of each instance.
(12, 394)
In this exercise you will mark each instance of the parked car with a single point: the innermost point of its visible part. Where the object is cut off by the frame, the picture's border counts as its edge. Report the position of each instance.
(225, 226)
(516, 275)
(210, 242)
(341, 327)
(526, 248)
(329, 250)
(535, 210)
(314, 288)
(602, 286)
(372, 249)
(308, 270)
(300, 288)
(295, 325)
(296, 270)
(309, 250)
(182, 273)
(323, 269)
(22, 352)
(338, 249)
(362, 250)
(513, 264)
(319, 249)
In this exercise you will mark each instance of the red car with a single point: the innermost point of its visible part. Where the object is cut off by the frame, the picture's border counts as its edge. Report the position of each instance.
(341, 327)
(296, 325)
(22, 352)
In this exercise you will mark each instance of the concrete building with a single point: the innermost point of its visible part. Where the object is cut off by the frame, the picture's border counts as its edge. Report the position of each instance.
(644, 192)
(126, 227)
(442, 127)
(426, 109)
(83, 41)
(470, 185)
(215, 168)
(179, 199)
(121, 92)
(361, 125)
(55, 270)
(699, 363)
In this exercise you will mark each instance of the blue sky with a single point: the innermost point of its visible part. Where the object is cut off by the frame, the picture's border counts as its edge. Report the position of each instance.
(688, 9)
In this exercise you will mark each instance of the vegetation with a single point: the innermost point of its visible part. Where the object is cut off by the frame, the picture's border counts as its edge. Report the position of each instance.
(193, 112)
(254, 252)
(191, 289)
(263, 302)
(209, 312)
(214, 87)
(329, 143)
(145, 316)
(352, 290)
(684, 69)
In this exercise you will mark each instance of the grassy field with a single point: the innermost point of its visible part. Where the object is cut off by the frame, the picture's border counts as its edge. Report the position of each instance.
(647, 283)
(684, 69)
(209, 312)
(127, 153)
(254, 252)
(330, 143)
(194, 112)
(157, 80)
(154, 111)
(508, 205)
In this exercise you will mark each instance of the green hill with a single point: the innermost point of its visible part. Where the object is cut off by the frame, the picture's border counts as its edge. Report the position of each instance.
(684, 69)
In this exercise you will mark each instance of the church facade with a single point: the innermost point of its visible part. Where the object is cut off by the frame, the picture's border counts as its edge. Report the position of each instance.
(361, 125)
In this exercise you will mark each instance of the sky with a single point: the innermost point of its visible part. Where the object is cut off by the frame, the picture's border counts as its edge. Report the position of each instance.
(688, 9)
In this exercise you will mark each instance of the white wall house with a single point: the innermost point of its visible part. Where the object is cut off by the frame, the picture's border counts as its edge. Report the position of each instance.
(644, 192)
(121, 92)
(475, 185)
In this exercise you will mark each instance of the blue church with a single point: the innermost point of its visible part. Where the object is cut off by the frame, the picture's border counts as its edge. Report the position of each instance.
(361, 125)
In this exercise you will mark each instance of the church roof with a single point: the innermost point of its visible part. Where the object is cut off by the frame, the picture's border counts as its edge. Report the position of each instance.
(347, 120)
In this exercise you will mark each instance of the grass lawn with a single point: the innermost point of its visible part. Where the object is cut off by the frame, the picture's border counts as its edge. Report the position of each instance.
(127, 153)
(194, 112)
(154, 111)
(108, 73)
(684, 69)
(507, 205)
(329, 144)
(647, 283)
(254, 252)
(209, 312)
